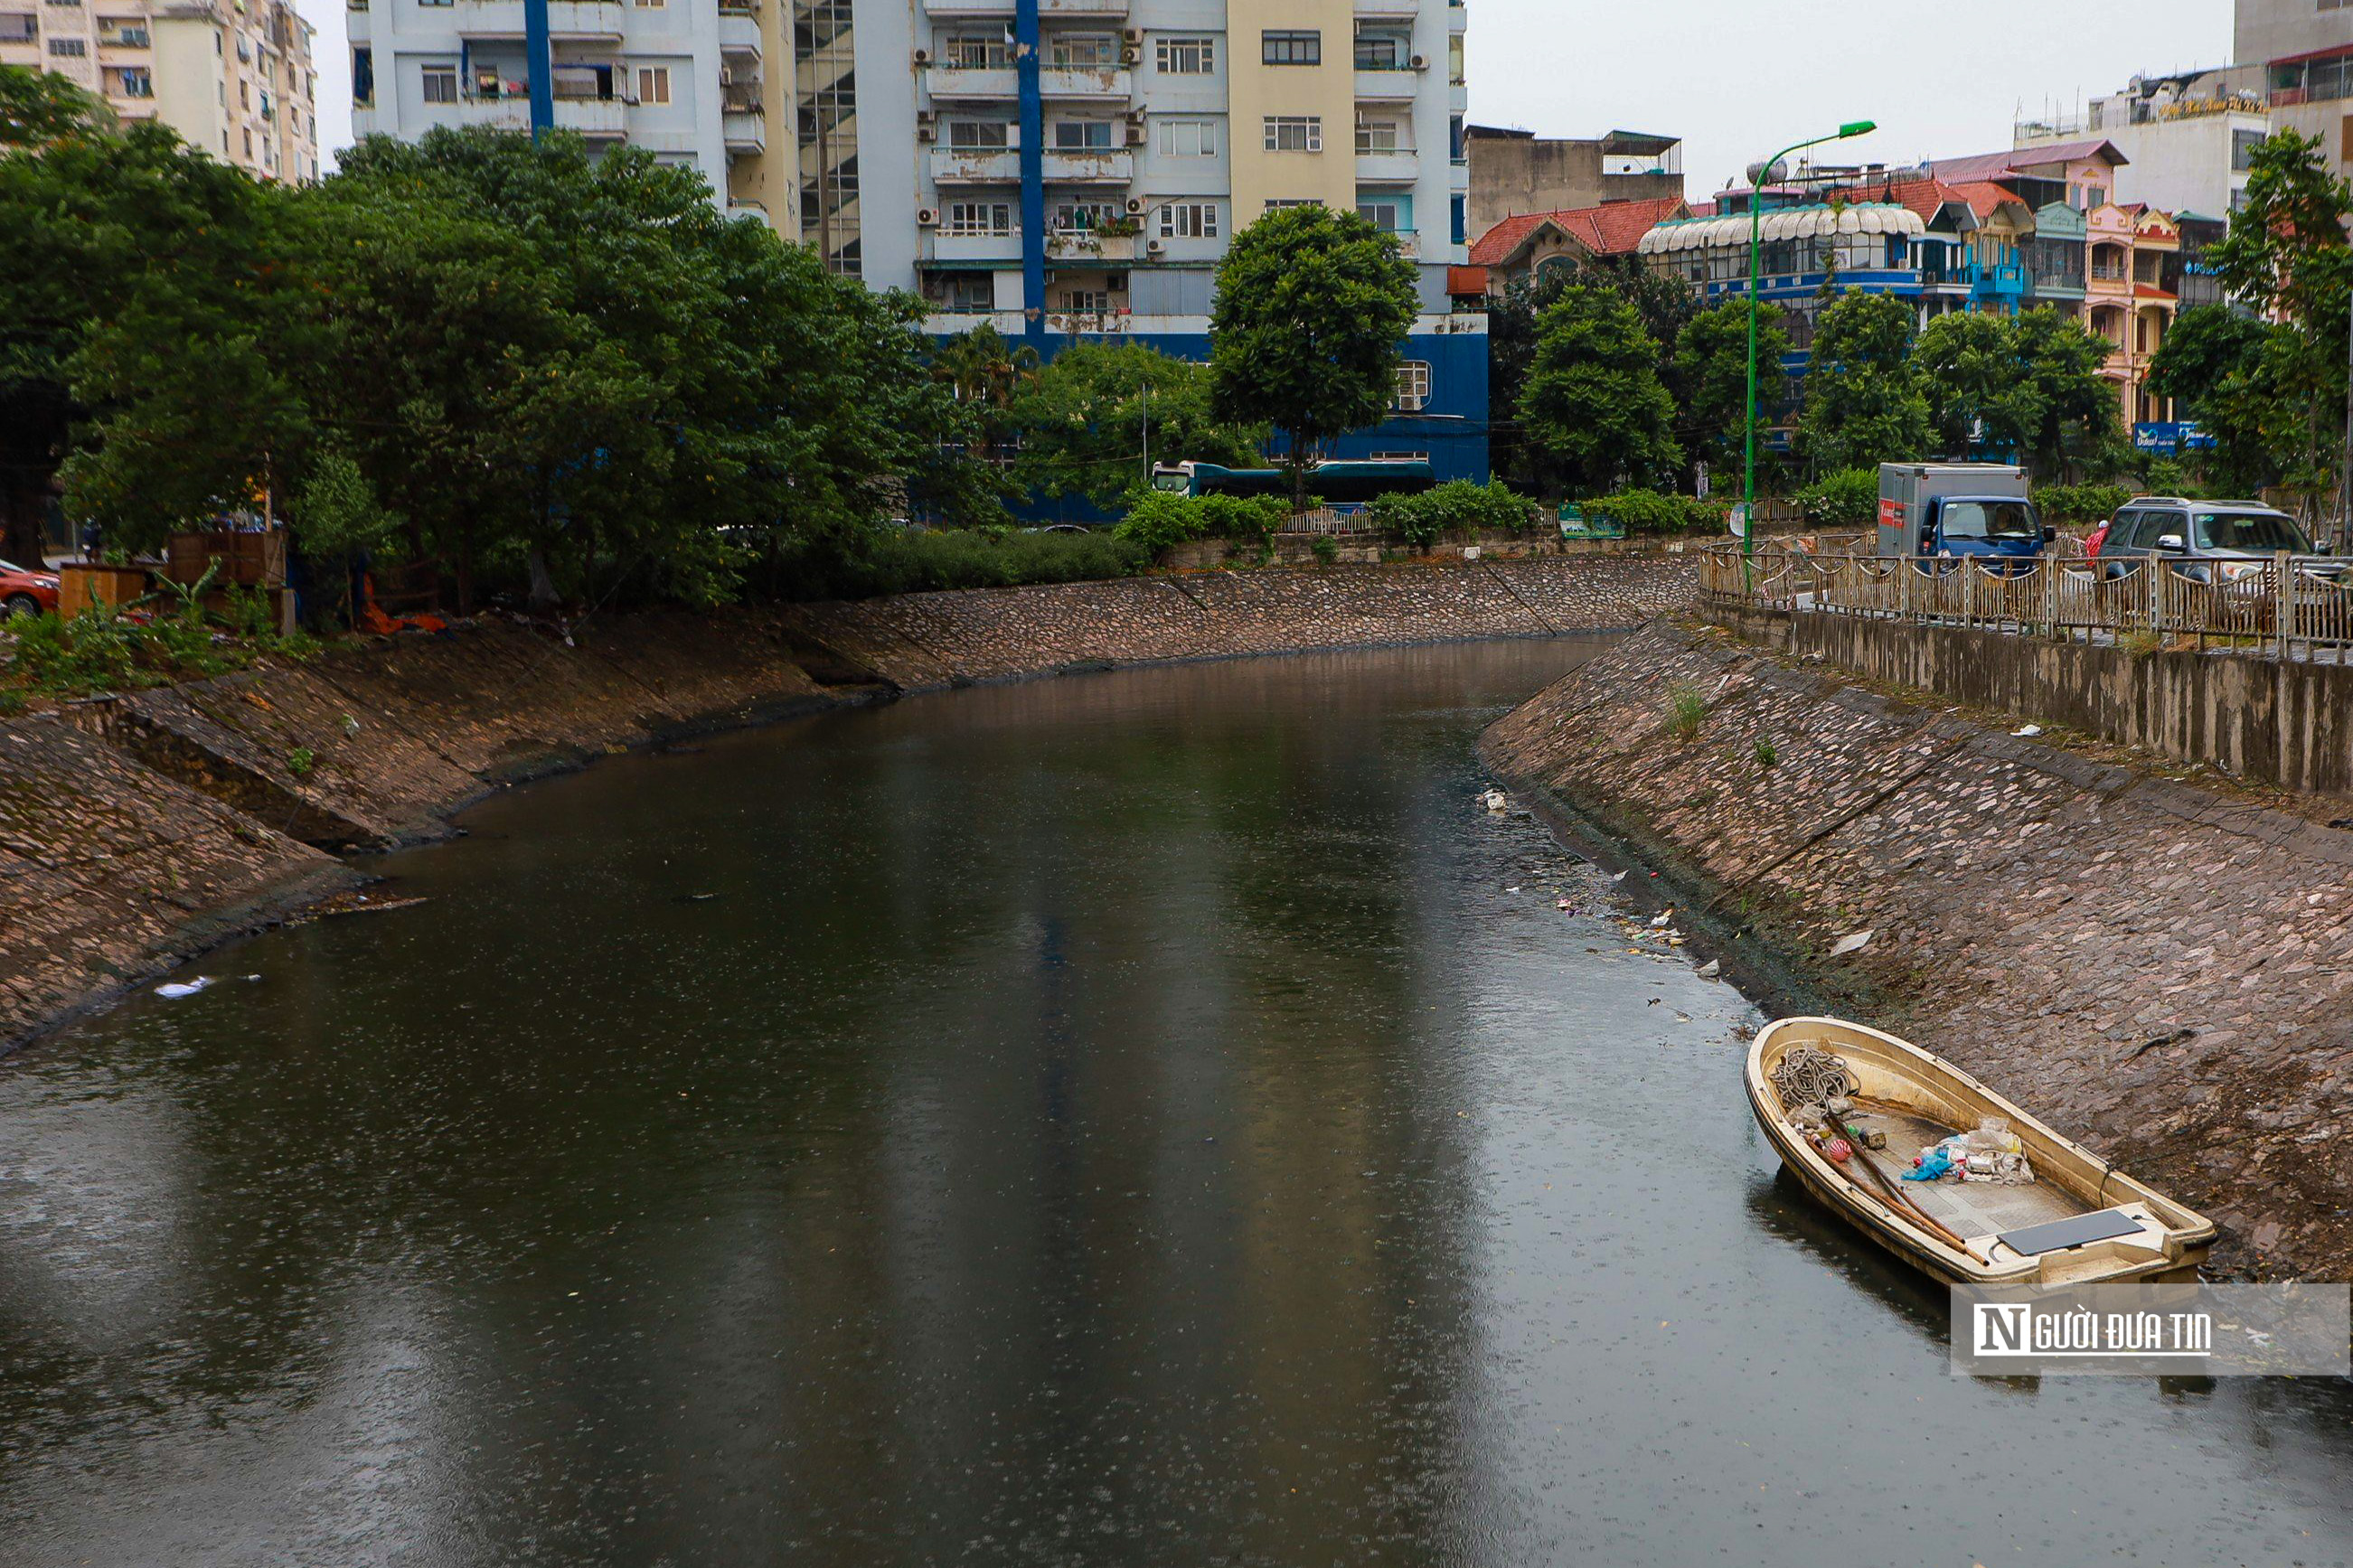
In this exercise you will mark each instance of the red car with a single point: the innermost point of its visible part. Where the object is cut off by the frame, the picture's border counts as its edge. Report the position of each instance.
(26, 592)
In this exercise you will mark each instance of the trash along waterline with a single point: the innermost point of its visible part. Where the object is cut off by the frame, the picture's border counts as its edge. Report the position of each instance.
(1129, 1116)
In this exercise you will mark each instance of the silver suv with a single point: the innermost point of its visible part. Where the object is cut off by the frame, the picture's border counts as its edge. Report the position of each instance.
(2206, 541)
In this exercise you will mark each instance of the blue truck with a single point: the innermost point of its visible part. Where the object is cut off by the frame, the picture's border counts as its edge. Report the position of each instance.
(1951, 509)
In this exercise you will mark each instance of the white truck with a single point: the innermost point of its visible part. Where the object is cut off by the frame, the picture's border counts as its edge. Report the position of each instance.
(1952, 509)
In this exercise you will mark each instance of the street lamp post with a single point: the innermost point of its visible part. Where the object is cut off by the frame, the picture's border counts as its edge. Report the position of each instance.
(1756, 219)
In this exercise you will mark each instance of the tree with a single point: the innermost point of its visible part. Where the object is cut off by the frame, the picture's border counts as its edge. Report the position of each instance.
(2286, 259)
(37, 108)
(2024, 388)
(986, 371)
(1712, 364)
(1862, 404)
(1083, 421)
(2077, 419)
(1593, 398)
(2208, 346)
(1311, 307)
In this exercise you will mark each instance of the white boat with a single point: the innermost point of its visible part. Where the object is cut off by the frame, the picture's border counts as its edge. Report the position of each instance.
(2078, 1220)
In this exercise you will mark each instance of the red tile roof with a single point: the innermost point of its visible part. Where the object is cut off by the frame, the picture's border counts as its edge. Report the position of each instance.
(1613, 228)
(1922, 198)
(2151, 291)
(1985, 195)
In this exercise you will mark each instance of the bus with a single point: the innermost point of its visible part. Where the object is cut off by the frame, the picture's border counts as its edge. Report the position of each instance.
(1343, 486)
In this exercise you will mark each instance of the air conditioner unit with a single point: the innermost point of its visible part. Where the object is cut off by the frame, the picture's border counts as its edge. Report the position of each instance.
(1155, 247)
(1130, 55)
(923, 57)
(927, 132)
(1421, 62)
(1136, 135)
(1133, 37)
(927, 217)
(726, 75)
(1135, 206)
(1136, 117)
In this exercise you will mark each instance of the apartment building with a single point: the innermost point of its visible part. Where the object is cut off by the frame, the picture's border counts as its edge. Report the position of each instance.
(232, 77)
(2299, 55)
(2188, 141)
(1070, 169)
(1516, 174)
(686, 80)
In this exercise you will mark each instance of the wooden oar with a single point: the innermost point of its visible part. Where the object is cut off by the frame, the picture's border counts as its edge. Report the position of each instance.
(1894, 1199)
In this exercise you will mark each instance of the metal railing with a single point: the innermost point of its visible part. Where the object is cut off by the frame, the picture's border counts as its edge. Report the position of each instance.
(2289, 606)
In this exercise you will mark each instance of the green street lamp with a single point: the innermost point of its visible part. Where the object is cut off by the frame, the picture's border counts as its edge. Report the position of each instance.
(1756, 219)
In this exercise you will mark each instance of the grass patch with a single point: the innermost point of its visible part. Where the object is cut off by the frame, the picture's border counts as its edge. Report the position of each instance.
(1686, 709)
(1764, 754)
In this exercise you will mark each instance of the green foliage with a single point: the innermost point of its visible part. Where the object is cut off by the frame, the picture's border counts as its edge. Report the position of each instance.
(1593, 400)
(1648, 512)
(1848, 497)
(1326, 549)
(1419, 518)
(37, 108)
(1664, 304)
(300, 761)
(1083, 418)
(1687, 711)
(1712, 361)
(2092, 503)
(1764, 754)
(1311, 307)
(1158, 519)
(1864, 403)
(913, 561)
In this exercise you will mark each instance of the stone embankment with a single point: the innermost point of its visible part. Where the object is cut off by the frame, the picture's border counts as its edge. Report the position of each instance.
(139, 830)
(2162, 971)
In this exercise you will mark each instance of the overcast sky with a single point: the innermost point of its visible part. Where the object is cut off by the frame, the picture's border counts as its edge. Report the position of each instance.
(1736, 79)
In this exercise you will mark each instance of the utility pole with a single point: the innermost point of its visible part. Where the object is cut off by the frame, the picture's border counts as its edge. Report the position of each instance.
(2345, 462)
(1147, 432)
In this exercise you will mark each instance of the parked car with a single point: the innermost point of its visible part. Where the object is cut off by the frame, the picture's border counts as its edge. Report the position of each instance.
(25, 591)
(2206, 541)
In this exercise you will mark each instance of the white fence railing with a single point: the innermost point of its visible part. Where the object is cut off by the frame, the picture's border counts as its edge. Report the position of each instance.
(2289, 606)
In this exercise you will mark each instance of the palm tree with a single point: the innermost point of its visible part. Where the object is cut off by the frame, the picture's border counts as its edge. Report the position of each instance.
(987, 371)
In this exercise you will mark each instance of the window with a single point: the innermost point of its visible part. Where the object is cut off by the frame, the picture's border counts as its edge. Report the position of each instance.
(1413, 386)
(68, 47)
(1188, 138)
(979, 217)
(979, 134)
(648, 4)
(19, 27)
(1187, 57)
(653, 84)
(1084, 49)
(440, 83)
(1292, 48)
(1087, 301)
(963, 291)
(975, 51)
(2243, 149)
(1462, 221)
(1083, 135)
(1294, 133)
(1084, 217)
(1381, 52)
(1400, 457)
(1189, 220)
(134, 81)
(1383, 213)
(1375, 135)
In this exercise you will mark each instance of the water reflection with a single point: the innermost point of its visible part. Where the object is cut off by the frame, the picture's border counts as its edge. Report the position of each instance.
(1123, 1119)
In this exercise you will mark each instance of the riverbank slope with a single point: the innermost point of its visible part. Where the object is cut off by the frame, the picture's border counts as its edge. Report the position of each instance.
(138, 830)
(2163, 971)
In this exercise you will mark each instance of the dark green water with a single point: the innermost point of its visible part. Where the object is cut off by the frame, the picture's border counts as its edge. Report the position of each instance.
(1124, 1120)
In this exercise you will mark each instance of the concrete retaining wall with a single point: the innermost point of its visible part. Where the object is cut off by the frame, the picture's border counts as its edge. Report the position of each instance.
(2163, 971)
(2284, 723)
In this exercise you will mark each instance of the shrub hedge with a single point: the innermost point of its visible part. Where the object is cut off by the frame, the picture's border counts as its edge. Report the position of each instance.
(1651, 511)
(1418, 520)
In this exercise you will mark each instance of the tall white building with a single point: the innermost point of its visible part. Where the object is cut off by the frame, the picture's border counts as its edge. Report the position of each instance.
(683, 78)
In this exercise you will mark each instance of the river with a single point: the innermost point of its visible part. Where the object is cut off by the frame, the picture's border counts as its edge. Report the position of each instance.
(1145, 1117)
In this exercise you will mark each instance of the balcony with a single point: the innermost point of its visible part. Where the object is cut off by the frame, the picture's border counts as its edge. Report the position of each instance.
(951, 10)
(2006, 281)
(744, 131)
(594, 118)
(739, 33)
(1092, 166)
(565, 18)
(1095, 83)
(948, 244)
(1085, 245)
(1392, 86)
(975, 166)
(971, 84)
(1402, 10)
(1395, 166)
(1082, 7)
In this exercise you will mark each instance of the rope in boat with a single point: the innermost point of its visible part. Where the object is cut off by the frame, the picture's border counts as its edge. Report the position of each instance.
(1808, 1075)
